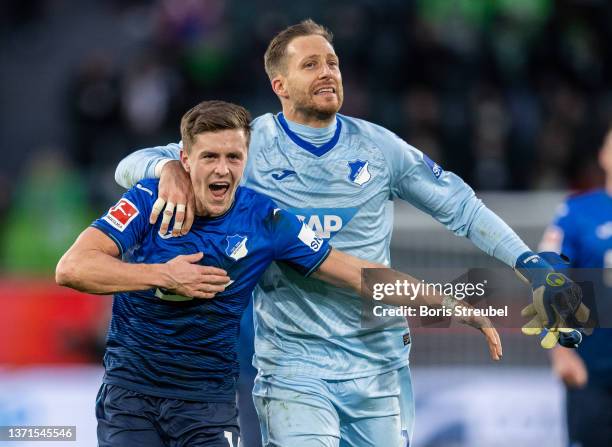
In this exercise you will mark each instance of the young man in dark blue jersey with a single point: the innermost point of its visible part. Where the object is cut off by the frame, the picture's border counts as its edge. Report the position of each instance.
(170, 363)
(171, 360)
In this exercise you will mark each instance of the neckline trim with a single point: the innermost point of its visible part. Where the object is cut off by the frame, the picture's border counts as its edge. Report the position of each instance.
(314, 150)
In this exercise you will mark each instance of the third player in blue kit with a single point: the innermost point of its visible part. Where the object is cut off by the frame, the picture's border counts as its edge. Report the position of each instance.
(582, 230)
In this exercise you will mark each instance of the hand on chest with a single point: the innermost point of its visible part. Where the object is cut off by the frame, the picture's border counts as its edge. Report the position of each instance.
(233, 251)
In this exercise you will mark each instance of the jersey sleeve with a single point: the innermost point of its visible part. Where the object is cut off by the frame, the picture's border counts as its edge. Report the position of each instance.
(296, 243)
(141, 164)
(560, 236)
(127, 221)
(416, 178)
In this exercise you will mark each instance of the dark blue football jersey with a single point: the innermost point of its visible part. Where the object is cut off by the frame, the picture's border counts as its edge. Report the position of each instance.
(182, 348)
(582, 230)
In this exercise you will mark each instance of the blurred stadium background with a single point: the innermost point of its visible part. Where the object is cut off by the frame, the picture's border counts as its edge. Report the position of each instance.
(513, 95)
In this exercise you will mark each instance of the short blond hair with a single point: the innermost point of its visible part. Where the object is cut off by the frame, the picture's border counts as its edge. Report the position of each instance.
(274, 58)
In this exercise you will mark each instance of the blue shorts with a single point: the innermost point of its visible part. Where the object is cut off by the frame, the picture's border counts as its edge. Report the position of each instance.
(589, 415)
(364, 412)
(128, 418)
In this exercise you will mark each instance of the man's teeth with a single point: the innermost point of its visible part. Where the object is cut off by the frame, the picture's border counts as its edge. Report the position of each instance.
(325, 90)
(219, 186)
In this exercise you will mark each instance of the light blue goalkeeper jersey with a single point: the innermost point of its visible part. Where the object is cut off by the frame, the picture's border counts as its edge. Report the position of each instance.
(344, 191)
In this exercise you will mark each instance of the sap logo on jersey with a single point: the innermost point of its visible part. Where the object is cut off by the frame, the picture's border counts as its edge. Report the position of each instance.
(236, 246)
(325, 222)
(309, 238)
(360, 173)
(120, 215)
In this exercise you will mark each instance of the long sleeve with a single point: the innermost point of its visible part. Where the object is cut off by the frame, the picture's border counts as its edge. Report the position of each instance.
(448, 199)
(141, 164)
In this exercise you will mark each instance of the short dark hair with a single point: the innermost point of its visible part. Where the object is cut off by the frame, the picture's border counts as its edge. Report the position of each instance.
(274, 58)
(213, 116)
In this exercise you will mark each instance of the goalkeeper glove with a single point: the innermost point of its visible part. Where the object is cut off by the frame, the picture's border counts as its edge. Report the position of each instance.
(557, 300)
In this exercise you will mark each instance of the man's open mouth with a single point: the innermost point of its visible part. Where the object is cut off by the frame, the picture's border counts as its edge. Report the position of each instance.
(218, 189)
(325, 91)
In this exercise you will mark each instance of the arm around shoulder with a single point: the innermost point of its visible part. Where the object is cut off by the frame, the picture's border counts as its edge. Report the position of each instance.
(144, 163)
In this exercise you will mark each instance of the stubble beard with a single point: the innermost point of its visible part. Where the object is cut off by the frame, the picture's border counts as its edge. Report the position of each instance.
(312, 111)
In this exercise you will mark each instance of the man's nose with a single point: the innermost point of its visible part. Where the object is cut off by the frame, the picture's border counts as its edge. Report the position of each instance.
(221, 167)
(325, 71)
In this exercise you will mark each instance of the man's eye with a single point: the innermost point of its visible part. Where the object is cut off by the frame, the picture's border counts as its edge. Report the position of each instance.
(309, 65)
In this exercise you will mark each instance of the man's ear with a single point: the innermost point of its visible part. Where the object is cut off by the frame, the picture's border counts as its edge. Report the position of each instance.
(184, 160)
(278, 86)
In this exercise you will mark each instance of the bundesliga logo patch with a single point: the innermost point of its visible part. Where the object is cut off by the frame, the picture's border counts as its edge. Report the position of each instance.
(120, 215)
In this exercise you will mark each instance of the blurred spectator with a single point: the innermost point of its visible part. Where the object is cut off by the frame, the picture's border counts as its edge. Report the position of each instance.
(16, 13)
(148, 93)
(490, 139)
(48, 211)
(496, 91)
(94, 100)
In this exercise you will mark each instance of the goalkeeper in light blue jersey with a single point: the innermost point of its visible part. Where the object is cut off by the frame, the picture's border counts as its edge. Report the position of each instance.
(324, 379)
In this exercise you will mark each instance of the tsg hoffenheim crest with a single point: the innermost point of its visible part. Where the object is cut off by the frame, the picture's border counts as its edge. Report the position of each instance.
(359, 172)
(236, 246)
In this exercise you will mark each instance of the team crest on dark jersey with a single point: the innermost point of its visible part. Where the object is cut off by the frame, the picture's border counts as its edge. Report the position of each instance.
(236, 246)
(360, 174)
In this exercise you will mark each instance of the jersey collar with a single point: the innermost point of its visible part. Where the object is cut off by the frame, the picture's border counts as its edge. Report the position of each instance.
(314, 150)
